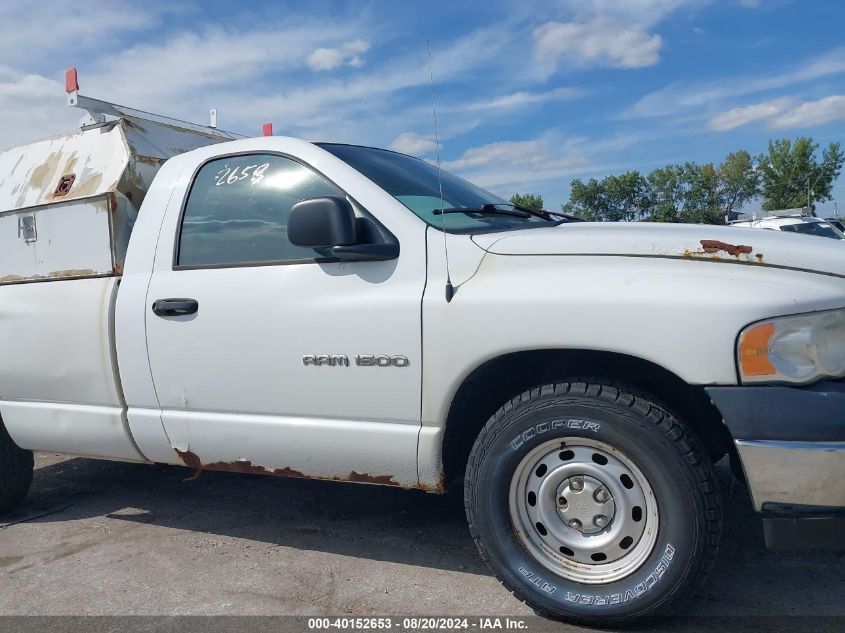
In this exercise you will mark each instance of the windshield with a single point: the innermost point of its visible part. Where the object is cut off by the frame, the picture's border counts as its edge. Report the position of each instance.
(414, 183)
(822, 229)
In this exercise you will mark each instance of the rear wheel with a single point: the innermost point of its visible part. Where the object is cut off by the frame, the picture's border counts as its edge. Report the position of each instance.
(16, 466)
(592, 504)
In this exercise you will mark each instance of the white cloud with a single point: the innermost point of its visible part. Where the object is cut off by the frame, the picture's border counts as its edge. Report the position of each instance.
(14, 84)
(782, 113)
(812, 113)
(349, 54)
(508, 163)
(495, 152)
(600, 42)
(682, 95)
(32, 107)
(68, 29)
(190, 64)
(606, 33)
(738, 117)
(642, 12)
(348, 109)
(523, 98)
(414, 144)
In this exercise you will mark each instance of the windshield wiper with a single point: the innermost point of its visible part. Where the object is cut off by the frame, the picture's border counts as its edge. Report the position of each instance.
(565, 217)
(516, 211)
(486, 209)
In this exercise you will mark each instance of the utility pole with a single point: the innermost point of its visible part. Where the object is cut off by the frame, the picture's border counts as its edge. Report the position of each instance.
(808, 194)
(810, 182)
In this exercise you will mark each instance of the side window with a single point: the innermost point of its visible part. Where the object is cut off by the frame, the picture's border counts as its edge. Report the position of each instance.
(238, 207)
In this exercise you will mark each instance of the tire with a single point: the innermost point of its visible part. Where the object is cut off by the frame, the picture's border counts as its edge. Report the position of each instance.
(591, 454)
(16, 467)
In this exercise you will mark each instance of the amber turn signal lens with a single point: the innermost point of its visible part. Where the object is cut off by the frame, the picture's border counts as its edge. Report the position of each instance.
(754, 351)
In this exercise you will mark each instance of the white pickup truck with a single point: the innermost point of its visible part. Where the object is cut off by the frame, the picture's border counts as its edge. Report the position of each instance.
(270, 305)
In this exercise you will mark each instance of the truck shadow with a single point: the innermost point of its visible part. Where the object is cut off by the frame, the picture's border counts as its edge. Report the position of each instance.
(401, 526)
(375, 522)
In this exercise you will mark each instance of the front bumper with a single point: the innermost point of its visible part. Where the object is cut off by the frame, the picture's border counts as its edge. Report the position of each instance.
(791, 442)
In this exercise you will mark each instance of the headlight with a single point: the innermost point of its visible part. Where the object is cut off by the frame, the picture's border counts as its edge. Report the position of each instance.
(799, 348)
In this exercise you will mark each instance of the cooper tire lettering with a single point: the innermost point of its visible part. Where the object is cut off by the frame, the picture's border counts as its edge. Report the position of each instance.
(545, 427)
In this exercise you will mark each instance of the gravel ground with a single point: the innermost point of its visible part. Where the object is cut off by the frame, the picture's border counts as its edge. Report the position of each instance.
(127, 539)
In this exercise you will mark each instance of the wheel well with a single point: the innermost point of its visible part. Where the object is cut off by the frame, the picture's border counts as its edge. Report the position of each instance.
(489, 386)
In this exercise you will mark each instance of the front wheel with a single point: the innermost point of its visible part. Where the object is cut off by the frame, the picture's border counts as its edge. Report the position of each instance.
(591, 504)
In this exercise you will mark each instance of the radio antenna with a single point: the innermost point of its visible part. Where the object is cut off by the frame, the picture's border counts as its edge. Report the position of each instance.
(450, 290)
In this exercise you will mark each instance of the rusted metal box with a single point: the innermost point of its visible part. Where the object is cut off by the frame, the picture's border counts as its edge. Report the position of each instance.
(68, 203)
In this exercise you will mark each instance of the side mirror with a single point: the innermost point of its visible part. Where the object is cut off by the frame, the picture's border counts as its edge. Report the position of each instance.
(322, 223)
(330, 222)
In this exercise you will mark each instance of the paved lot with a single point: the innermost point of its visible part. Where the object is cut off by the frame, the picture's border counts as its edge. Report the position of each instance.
(134, 539)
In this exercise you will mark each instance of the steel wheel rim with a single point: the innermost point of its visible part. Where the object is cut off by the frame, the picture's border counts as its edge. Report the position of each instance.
(570, 539)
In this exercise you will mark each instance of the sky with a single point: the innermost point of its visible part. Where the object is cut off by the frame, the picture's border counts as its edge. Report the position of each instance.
(529, 94)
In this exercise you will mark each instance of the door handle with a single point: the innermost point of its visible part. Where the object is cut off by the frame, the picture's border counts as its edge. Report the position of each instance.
(175, 307)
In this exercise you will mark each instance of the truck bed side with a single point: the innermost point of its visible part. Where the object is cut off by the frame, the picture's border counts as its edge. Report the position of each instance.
(60, 390)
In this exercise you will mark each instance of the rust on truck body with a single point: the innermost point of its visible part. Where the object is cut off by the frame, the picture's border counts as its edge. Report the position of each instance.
(723, 251)
(714, 246)
(192, 460)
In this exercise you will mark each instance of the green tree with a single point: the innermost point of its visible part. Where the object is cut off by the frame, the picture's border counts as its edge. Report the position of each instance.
(686, 193)
(739, 181)
(527, 200)
(702, 203)
(668, 187)
(627, 196)
(586, 200)
(786, 176)
(792, 176)
(612, 199)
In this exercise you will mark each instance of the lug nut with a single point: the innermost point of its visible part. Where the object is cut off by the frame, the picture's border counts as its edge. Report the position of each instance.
(602, 495)
(575, 523)
(577, 485)
(600, 520)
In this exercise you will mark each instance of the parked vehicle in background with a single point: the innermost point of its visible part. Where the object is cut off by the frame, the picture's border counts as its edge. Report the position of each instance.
(280, 307)
(793, 221)
(837, 223)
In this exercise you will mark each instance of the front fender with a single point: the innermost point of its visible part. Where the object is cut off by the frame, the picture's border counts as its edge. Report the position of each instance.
(681, 315)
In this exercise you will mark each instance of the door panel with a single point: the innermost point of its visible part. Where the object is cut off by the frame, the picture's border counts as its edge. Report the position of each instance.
(231, 378)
